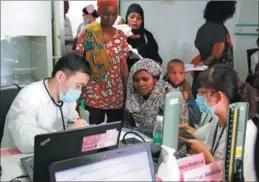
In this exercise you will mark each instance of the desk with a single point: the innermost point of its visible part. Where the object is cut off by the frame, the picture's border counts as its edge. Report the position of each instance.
(12, 167)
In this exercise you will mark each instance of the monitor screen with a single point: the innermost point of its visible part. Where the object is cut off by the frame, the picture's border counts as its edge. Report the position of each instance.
(133, 167)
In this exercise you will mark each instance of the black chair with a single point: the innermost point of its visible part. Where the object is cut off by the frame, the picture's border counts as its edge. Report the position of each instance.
(7, 95)
(249, 53)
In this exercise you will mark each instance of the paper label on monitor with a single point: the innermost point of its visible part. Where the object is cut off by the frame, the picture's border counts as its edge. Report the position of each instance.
(174, 101)
(100, 141)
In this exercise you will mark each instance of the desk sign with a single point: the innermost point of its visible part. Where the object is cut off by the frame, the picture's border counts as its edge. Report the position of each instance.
(189, 163)
(210, 172)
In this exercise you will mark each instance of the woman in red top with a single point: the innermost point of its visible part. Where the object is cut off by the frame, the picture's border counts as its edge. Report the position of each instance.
(106, 49)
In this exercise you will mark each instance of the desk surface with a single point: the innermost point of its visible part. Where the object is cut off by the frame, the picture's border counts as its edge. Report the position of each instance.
(12, 167)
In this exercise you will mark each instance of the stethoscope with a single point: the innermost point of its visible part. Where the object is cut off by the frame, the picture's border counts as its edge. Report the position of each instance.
(59, 104)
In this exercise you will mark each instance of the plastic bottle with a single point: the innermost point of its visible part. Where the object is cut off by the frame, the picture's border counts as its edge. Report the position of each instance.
(158, 131)
(168, 169)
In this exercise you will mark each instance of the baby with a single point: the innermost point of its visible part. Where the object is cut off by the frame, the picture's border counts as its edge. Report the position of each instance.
(176, 77)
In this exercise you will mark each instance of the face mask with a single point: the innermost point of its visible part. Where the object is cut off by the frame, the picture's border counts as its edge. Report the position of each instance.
(71, 95)
(200, 100)
(86, 20)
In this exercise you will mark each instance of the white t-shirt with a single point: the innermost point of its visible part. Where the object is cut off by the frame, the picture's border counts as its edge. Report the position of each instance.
(31, 113)
(251, 132)
(254, 61)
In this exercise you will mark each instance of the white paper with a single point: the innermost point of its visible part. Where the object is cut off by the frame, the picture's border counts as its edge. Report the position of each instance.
(191, 67)
(134, 53)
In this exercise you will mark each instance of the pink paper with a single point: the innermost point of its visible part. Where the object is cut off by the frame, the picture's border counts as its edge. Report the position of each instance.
(99, 141)
(9, 152)
(189, 163)
(210, 172)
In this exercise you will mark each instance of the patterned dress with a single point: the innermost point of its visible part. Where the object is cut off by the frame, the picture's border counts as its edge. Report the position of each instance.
(108, 94)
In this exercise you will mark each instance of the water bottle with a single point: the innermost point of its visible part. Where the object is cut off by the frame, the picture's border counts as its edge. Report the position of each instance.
(158, 131)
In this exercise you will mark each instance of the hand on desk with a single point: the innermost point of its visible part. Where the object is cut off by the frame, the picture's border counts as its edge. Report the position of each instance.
(79, 123)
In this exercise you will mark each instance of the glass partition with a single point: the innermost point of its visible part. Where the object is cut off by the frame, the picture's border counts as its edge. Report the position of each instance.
(23, 59)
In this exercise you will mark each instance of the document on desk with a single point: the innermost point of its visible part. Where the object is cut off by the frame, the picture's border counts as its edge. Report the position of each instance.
(191, 67)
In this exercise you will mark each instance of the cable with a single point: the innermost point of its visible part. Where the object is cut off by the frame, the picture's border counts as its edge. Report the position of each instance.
(132, 132)
(21, 176)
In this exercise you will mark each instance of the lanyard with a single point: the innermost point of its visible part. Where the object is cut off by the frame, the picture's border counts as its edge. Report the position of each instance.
(214, 139)
(59, 105)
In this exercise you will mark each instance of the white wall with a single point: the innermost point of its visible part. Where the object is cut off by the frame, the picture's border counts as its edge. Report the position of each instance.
(75, 13)
(248, 15)
(174, 26)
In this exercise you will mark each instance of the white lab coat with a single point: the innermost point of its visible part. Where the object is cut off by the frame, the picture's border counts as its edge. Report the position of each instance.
(32, 113)
(251, 133)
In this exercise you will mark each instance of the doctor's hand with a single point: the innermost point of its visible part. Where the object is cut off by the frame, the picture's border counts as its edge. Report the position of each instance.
(80, 123)
(197, 147)
(187, 128)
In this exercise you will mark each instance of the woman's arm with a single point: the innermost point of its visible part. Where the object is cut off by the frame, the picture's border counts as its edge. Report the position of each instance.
(217, 51)
(128, 119)
(123, 63)
(124, 74)
(80, 43)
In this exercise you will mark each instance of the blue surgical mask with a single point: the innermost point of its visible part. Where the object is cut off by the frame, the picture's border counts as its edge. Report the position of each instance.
(71, 96)
(201, 102)
(86, 21)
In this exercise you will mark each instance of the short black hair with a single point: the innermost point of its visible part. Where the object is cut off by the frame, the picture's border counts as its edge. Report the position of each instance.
(222, 77)
(257, 41)
(175, 61)
(94, 13)
(219, 11)
(72, 62)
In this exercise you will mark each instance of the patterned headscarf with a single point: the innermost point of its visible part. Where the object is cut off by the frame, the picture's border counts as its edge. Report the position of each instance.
(143, 111)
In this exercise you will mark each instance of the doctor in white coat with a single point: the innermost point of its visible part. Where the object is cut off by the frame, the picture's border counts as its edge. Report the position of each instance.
(48, 105)
(220, 87)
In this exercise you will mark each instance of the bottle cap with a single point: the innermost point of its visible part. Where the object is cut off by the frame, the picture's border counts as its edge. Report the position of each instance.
(160, 118)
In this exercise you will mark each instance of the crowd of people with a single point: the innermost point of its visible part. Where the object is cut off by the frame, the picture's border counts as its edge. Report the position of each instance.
(112, 83)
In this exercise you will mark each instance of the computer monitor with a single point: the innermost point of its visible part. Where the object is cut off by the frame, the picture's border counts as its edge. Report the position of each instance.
(57, 146)
(132, 163)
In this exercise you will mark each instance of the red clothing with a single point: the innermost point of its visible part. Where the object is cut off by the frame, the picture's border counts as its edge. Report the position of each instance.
(110, 93)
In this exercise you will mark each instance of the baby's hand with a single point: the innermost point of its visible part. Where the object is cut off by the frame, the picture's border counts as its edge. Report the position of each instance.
(185, 95)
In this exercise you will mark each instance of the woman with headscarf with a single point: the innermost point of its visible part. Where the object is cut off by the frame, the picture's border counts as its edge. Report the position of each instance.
(146, 93)
(106, 49)
(141, 40)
